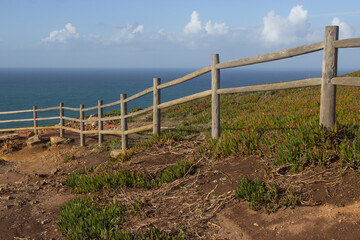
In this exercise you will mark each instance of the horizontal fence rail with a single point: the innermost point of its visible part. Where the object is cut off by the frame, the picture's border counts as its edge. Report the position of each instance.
(188, 77)
(310, 82)
(328, 83)
(47, 109)
(71, 109)
(287, 53)
(347, 43)
(15, 112)
(149, 109)
(346, 81)
(185, 99)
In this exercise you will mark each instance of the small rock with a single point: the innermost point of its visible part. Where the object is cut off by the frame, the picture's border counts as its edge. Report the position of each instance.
(33, 140)
(115, 153)
(54, 171)
(57, 140)
(256, 225)
(46, 221)
(32, 202)
(9, 198)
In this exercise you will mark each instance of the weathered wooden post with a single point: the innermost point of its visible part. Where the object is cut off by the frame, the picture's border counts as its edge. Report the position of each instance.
(329, 70)
(82, 126)
(124, 126)
(100, 123)
(61, 119)
(156, 111)
(35, 121)
(215, 98)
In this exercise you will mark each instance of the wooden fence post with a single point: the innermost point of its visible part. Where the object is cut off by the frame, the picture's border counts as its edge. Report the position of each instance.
(61, 120)
(100, 123)
(35, 121)
(329, 70)
(82, 126)
(215, 97)
(124, 126)
(156, 110)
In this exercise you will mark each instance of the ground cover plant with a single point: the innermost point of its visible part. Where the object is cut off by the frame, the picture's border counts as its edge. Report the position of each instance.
(88, 180)
(269, 196)
(90, 218)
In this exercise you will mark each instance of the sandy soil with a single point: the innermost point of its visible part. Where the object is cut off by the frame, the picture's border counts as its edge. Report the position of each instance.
(31, 191)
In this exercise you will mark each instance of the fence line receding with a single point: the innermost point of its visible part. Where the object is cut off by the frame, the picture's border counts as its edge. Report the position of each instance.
(328, 83)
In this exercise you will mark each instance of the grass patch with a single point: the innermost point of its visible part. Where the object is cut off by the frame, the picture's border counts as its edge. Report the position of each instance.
(112, 113)
(299, 148)
(264, 195)
(87, 180)
(91, 219)
(177, 171)
(68, 158)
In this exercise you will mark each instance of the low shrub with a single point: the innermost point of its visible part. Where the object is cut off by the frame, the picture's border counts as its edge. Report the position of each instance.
(88, 181)
(264, 195)
(91, 219)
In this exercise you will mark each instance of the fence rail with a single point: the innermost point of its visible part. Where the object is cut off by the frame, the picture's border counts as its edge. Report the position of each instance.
(328, 83)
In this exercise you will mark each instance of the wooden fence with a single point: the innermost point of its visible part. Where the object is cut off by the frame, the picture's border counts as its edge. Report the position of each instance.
(328, 84)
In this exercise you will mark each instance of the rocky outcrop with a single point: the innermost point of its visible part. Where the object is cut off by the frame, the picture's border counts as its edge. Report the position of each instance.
(11, 145)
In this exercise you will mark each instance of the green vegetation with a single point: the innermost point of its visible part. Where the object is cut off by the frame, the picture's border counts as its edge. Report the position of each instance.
(118, 112)
(68, 158)
(112, 113)
(87, 180)
(269, 196)
(281, 126)
(308, 146)
(91, 219)
(165, 137)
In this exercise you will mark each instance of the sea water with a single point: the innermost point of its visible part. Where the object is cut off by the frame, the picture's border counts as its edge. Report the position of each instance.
(21, 89)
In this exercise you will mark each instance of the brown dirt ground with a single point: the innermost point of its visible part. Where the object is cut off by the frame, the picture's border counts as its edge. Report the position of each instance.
(31, 191)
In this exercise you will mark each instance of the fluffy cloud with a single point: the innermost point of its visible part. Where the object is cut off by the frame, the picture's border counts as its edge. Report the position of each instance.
(195, 26)
(216, 29)
(126, 34)
(279, 30)
(62, 35)
(345, 29)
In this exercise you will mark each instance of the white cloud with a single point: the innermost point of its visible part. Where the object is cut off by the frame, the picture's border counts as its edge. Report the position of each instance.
(126, 34)
(344, 28)
(195, 26)
(216, 29)
(139, 28)
(62, 35)
(279, 30)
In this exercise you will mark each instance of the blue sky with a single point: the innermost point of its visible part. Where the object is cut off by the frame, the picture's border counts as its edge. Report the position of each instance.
(166, 33)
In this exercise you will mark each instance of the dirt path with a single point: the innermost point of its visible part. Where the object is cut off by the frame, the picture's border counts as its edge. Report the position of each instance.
(31, 191)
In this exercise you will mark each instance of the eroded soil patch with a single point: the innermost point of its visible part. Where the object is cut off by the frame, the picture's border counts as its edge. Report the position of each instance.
(32, 190)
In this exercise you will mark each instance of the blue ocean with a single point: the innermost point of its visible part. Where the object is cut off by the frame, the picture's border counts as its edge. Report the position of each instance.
(21, 89)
